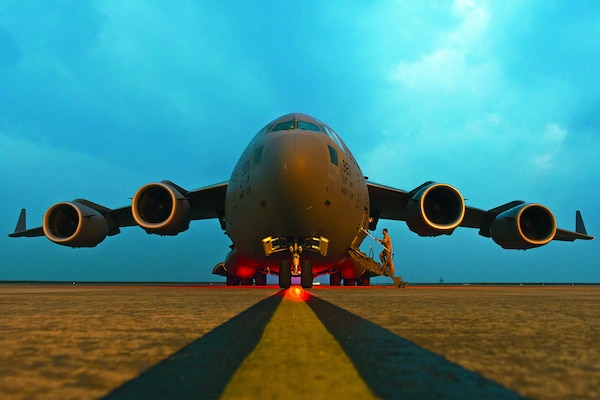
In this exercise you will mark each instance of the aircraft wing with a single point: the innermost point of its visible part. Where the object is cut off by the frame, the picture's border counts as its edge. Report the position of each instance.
(21, 229)
(205, 203)
(515, 225)
(209, 202)
(387, 202)
(390, 203)
(580, 231)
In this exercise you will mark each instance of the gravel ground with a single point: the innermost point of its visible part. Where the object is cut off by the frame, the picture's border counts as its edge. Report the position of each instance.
(82, 341)
(542, 342)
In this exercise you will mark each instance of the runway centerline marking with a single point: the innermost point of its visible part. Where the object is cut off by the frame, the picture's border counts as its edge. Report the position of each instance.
(304, 359)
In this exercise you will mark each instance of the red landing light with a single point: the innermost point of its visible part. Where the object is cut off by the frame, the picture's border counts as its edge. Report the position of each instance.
(297, 294)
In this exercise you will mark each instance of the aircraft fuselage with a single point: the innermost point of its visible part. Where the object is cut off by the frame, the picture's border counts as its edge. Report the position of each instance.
(296, 188)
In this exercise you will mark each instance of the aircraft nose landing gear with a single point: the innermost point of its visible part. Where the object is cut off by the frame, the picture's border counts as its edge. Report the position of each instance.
(306, 279)
(286, 272)
(296, 250)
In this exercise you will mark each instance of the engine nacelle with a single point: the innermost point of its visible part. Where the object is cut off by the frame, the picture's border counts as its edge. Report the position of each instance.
(75, 225)
(524, 227)
(436, 209)
(161, 208)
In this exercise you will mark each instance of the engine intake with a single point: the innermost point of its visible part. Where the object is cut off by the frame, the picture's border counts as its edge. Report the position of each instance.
(524, 227)
(74, 224)
(161, 208)
(436, 209)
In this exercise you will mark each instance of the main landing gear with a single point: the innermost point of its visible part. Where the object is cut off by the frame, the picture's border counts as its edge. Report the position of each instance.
(335, 279)
(260, 279)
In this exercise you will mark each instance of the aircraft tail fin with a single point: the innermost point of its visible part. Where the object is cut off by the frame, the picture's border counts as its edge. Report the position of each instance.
(579, 225)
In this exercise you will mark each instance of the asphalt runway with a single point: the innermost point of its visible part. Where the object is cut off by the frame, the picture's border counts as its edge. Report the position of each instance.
(80, 341)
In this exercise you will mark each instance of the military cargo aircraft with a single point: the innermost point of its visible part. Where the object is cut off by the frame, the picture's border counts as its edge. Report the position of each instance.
(298, 204)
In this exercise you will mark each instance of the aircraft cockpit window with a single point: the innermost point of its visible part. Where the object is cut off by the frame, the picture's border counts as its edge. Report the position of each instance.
(331, 133)
(263, 131)
(284, 126)
(307, 126)
(259, 135)
(296, 124)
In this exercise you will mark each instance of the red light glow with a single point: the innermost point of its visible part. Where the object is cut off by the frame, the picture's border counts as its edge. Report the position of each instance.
(297, 294)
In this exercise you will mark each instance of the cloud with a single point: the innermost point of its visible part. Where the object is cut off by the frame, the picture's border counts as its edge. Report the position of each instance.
(47, 172)
(550, 145)
(450, 66)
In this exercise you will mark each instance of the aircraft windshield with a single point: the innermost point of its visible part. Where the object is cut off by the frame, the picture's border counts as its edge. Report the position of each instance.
(331, 133)
(284, 126)
(296, 124)
(307, 126)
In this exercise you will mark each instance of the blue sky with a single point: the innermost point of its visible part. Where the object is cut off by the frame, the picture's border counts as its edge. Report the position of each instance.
(500, 99)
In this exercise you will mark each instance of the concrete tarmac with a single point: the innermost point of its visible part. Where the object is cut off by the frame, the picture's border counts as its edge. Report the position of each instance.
(205, 342)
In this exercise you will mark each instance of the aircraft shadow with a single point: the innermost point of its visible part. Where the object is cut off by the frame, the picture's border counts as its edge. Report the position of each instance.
(203, 368)
(395, 367)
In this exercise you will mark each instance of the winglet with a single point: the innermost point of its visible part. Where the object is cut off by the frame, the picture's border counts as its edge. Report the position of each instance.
(21, 228)
(22, 222)
(579, 225)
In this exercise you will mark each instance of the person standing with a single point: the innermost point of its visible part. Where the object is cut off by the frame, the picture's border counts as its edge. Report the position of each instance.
(386, 254)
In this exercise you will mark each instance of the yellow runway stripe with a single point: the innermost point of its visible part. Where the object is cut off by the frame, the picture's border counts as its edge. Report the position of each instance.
(301, 358)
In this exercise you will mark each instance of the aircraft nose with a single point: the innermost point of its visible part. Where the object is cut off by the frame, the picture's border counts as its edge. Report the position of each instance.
(297, 183)
(298, 161)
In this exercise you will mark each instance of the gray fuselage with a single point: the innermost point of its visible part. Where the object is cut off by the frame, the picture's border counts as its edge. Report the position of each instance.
(295, 181)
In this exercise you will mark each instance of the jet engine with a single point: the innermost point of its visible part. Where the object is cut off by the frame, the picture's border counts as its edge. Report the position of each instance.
(74, 224)
(161, 208)
(435, 209)
(524, 227)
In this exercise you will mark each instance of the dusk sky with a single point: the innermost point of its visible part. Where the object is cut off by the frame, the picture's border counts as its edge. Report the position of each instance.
(500, 99)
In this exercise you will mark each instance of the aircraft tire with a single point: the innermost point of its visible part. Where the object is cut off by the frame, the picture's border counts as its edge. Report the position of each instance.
(247, 282)
(349, 282)
(285, 274)
(306, 278)
(232, 281)
(335, 279)
(260, 279)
